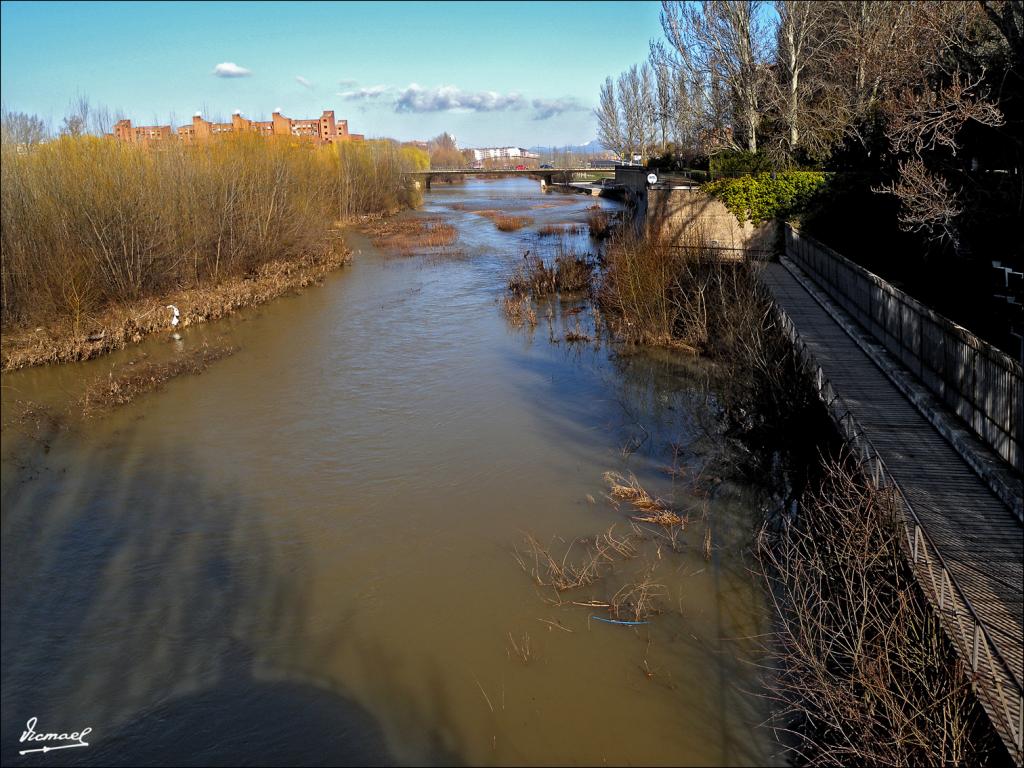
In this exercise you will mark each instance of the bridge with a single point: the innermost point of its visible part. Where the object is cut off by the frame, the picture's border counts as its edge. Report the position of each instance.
(546, 174)
(936, 415)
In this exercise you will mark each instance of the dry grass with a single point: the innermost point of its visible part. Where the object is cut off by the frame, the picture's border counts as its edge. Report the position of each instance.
(652, 510)
(522, 648)
(123, 323)
(559, 230)
(556, 203)
(519, 310)
(637, 601)
(412, 235)
(582, 563)
(577, 335)
(573, 273)
(113, 390)
(76, 238)
(512, 223)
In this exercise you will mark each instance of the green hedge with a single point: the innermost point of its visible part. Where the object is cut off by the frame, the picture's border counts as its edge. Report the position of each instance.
(764, 196)
(737, 162)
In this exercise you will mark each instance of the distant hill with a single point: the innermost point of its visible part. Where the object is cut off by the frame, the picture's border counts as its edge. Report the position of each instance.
(592, 147)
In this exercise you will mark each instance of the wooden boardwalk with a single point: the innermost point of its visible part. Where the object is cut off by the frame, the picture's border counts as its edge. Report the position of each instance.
(969, 552)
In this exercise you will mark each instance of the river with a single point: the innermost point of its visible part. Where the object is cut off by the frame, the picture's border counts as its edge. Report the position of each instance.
(305, 555)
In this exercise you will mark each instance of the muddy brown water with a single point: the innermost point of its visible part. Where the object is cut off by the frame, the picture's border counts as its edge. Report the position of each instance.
(305, 554)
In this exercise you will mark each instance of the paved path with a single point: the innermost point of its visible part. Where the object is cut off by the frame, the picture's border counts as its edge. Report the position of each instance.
(979, 539)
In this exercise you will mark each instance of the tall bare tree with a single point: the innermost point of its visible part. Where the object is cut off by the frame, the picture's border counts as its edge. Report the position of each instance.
(724, 43)
(666, 96)
(609, 120)
(636, 105)
(806, 31)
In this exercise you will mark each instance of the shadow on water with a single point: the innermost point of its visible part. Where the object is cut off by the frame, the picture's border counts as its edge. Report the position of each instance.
(148, 603)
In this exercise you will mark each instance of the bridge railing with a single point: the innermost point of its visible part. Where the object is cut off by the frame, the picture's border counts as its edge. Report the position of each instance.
(981, 384)
(993, 676)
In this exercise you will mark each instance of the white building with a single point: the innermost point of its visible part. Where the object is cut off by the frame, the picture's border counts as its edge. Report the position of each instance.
(485, 154)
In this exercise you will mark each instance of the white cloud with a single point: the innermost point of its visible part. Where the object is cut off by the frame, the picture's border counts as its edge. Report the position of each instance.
(547, 108)
(303, 81)
(365, 94)
(230, 69)
(450, 98)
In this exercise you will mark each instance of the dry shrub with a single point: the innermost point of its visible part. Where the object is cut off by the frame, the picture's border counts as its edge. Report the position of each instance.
(86, 223)
(113, 390)
(573, 273)
(532, 277)
(670, 294)
(864, 675)
(599, 223)
(570, 273)
(652, 510)
(512, 223)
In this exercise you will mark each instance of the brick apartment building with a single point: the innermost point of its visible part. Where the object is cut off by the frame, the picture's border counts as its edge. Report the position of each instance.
(324, 130)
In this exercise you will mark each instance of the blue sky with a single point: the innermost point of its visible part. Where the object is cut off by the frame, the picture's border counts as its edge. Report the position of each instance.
(491, 73)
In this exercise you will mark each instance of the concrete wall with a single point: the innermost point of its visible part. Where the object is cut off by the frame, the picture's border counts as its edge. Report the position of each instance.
(677, 211)
(680, 211)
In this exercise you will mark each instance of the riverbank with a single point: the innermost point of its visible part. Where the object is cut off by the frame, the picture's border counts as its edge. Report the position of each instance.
(97, 236)
(865, 681)
(123, 324)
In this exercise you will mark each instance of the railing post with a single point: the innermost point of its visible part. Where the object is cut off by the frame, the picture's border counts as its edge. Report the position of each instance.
(977, 639)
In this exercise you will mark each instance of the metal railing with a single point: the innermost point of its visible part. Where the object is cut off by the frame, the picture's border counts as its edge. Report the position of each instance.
(1000, 690)
(982, 385)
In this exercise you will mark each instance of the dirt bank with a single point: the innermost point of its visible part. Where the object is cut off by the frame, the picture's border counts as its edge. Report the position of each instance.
(123, 324)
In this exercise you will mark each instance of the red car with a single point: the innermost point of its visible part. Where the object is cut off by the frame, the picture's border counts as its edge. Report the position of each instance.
(520, 167)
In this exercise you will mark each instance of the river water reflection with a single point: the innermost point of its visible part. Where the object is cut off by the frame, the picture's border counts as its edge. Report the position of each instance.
(305, 555)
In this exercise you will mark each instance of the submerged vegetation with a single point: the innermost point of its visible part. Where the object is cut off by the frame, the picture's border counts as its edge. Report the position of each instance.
(89, 224)
(127, 385)
(861, 672)
(412, 235)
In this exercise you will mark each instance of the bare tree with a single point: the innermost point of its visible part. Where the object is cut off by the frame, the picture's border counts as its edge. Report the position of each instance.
(724, 43)
(805, 32)
(666, 103)
(21, 129)
(609, 120)
(444, 152)
(635, 90)
(922, 123)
